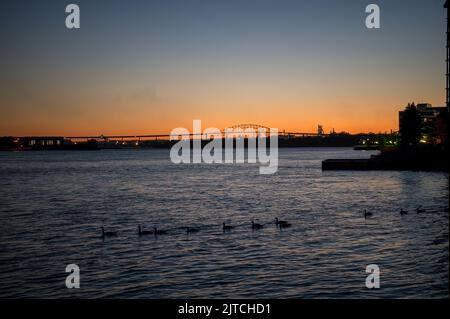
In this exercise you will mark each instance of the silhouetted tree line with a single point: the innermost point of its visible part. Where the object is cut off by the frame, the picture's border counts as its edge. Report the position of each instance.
(410, 126)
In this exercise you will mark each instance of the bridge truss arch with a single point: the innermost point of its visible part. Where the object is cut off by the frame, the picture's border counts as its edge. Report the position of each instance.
(249, 130)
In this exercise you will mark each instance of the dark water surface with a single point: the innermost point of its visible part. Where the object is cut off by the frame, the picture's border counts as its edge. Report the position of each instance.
(52, 205)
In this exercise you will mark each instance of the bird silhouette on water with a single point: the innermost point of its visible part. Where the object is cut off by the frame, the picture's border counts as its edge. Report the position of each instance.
(256, 226)
(143, 232)
(420, 210)
(282, 223)
(367, 214)
(226, 227)
(108, 233)
(190, 230)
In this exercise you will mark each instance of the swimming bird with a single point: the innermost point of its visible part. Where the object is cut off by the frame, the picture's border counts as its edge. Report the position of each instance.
(157, 231)
(284, 225)
(108, 233)
(227, 227)
(420, 210)
(281, 223)
(367, 214)
(192, 230)
(256, 225)
(143, 232)
(403, 212)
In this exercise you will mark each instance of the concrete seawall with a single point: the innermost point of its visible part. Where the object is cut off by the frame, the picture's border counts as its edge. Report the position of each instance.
(427, 159)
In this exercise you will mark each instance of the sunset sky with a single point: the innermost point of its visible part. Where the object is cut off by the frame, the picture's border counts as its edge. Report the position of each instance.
(142, 67)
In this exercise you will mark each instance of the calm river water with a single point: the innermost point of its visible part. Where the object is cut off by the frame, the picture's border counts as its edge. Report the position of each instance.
(52, 205)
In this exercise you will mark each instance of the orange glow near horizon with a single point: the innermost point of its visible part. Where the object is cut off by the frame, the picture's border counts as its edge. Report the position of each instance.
(159, 118)
(140, 124)
(121, 102)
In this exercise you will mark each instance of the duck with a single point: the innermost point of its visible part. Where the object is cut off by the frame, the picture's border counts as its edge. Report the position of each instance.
(281, 223)
(108, 233)
(227, 227)
(192, 230)
(143, 232)
(367, 214)
(420, 210)
(157, 231)
(403, 212)
(256, 225)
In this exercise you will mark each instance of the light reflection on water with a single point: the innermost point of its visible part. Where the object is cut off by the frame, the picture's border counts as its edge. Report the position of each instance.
(53, 203)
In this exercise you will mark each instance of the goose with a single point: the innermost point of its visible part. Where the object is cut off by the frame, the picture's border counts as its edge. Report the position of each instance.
(157, 231)
(192, 230)
(143, 232)
(256, 225)
(367, 214)
(108, 233)
(226, 227)
(403, 212)
(284, 225)
(281, 223)
(420, 210)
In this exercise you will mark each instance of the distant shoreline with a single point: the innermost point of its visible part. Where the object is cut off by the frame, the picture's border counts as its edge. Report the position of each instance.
(60, 143)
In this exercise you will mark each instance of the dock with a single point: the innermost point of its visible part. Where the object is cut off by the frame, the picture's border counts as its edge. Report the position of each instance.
(426, 158)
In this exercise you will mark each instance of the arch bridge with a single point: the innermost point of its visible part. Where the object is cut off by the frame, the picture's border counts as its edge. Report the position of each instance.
(242, 129)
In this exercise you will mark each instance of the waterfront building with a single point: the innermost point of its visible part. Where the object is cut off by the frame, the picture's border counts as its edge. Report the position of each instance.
(418, 124)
